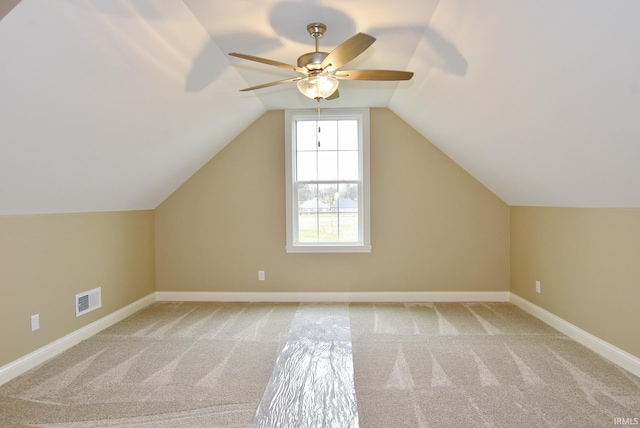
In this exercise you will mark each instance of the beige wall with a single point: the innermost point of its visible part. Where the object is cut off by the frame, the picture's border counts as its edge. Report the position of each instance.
(588, 264)
(433, 226)
(45, 260)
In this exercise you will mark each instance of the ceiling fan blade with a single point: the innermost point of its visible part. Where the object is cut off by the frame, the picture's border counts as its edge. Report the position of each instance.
(347, 51)
(270, 62)
(333, 96)
(373, 75)
(266, 85)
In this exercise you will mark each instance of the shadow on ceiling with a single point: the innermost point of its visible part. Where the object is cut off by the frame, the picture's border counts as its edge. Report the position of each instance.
(339, 25)
(445, 56)
(7, 6)
(205, 71)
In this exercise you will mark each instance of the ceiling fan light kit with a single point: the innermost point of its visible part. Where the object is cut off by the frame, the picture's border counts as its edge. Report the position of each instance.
(321, 70)
(317, 87)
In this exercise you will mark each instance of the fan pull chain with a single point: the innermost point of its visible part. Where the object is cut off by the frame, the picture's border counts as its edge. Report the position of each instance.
(318, 122)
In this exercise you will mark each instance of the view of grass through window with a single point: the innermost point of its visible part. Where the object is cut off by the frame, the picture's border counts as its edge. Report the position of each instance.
(328, 227)
(327, 180)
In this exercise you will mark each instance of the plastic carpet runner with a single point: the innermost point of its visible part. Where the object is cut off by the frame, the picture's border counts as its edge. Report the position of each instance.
(312, 382)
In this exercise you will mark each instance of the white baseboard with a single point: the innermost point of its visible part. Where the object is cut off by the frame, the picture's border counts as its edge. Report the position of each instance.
(605, 349)
(39, 356)
(426, 296)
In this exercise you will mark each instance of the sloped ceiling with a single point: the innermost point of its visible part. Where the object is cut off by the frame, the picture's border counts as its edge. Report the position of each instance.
(111, 105)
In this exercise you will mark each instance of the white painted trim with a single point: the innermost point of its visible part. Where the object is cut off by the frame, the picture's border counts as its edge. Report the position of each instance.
(39, 356)
(419, 296)
(612, 353)
(363, 117)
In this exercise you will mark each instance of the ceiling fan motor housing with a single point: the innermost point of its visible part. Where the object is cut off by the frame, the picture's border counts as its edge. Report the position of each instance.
(312, 60)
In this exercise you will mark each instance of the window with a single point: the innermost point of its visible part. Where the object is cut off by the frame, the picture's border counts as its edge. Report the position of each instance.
(327, 161)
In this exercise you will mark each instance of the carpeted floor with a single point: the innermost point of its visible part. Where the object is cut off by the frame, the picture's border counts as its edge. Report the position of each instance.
(478, 364)
(430, 364)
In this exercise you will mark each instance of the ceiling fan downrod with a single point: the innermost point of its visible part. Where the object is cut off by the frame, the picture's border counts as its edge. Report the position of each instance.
(312, 60)
(316, 30)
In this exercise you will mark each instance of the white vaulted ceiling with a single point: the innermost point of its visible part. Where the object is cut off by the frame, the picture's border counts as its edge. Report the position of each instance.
(111, 105)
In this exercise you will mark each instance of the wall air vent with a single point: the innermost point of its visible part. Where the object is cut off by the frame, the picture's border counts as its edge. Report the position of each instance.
(88, 301)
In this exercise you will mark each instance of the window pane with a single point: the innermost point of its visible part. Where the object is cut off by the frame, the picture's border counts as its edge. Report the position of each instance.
(348, 135)
(348, 198)
(306, 135)
(307, 227)
(328, 227)
(349, 191)
(348, 227)
(328, 222)
(327, 194)
(347, 207)
(328, 165)
(306, 166)
(308, 209)
(348, 165)
(306, 192)
(328, 135)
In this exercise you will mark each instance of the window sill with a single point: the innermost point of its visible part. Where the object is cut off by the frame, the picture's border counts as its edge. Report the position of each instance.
(328, 248)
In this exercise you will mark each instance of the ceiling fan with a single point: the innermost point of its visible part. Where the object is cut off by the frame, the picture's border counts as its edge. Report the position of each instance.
(320, 71)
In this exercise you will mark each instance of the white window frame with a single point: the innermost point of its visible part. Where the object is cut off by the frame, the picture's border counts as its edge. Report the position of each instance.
(293, 245)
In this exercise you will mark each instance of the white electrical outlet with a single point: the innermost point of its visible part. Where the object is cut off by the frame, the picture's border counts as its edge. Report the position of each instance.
(260, 275)
(538, 287)
(35, 322)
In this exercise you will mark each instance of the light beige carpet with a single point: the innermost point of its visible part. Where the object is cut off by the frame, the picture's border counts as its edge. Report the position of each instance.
(170, 365)
(440, 365)
(479, 365)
